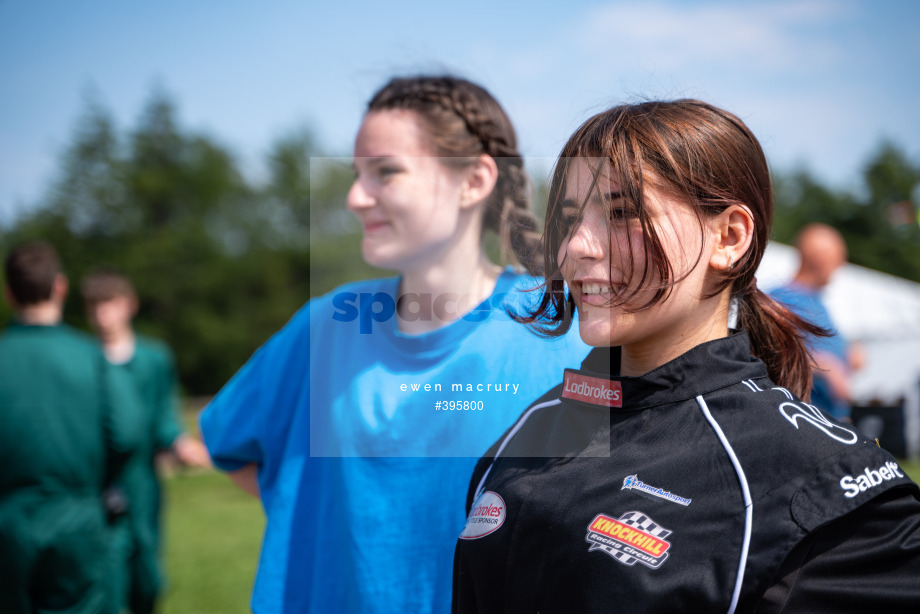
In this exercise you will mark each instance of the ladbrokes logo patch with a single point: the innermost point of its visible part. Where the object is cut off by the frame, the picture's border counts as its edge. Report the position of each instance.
(632, 538)
(486, 516)
(593, 390)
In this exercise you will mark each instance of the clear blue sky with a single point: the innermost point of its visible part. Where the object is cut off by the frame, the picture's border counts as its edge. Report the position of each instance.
(821, 82)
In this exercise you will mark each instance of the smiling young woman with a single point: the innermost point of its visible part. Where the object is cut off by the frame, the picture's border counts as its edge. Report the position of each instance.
(349, 422)
(679, 469)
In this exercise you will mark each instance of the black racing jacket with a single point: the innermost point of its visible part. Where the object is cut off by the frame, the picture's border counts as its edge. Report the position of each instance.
(698, 487)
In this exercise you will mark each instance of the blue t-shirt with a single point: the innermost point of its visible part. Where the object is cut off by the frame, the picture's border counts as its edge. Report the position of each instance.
(366, 439)
(807, 303)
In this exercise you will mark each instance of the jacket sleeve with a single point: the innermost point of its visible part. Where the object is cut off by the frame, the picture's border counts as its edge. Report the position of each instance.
(122, 418)
(866, 561)
(167, 426)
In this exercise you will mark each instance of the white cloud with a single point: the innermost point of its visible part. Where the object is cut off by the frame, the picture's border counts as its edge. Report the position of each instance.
(784, 67)
(774, 36)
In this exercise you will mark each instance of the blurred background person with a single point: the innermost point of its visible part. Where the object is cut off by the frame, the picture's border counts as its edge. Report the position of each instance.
(111, 304)
(66, 430)
(822, 251)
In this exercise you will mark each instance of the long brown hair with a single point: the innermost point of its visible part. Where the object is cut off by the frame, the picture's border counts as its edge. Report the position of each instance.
(462, 121)
(706, 157)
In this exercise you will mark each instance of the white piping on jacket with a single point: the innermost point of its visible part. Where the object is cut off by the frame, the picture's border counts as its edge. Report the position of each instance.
(513, 432)
(748, 503)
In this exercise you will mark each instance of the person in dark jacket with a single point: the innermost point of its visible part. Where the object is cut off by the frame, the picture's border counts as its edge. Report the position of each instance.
(682, 468)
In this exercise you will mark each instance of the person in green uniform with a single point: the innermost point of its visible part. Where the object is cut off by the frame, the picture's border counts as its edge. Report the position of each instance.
(111, 304)
(66, 431)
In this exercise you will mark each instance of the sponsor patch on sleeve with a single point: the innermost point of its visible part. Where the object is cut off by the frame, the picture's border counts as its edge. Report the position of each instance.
(486, 516)
(869, 478)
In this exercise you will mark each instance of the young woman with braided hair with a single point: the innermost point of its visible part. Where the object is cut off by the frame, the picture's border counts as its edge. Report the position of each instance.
(679, 469)
(360, 422)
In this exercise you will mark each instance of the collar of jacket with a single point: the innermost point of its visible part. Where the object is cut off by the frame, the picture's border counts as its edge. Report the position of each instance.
(701, 370)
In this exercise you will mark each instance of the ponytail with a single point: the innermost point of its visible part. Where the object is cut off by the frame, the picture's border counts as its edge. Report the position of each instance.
(778, 338)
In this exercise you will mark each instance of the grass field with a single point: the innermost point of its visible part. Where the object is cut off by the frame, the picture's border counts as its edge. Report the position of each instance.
(213, 532)
(912, 469)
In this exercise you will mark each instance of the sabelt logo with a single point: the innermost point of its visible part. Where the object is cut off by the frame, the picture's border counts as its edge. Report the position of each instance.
(869, 478)
(594, 390)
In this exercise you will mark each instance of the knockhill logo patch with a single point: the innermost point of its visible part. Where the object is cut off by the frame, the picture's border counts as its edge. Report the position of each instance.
(594, 390)
(486, 516)
(633, 538)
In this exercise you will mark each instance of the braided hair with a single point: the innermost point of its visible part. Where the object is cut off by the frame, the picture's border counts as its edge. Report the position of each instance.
(463, 121)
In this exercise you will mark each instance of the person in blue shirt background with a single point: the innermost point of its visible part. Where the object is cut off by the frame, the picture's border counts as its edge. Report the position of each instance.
(821, 252)
(359, 423)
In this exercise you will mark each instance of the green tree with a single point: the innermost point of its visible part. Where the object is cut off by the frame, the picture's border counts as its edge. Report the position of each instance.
(878, 223)
(171, 209)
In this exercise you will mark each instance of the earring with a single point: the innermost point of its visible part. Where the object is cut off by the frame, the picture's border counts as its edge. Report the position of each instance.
(731, 261)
